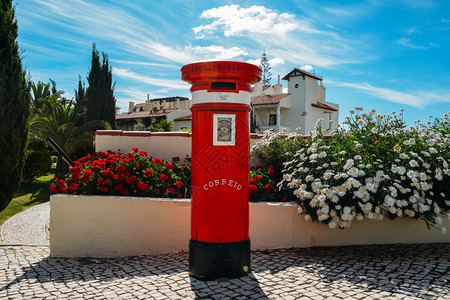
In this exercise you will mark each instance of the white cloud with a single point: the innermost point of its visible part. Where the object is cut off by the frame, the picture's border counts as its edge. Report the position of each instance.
(385, 93)
(307, 68)
(235, 20)
(217, 52)
(274, 62)
(168, 83)
(407, 43)
(443, 20)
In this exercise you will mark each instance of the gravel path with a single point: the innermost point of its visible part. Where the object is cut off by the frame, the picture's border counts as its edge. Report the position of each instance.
(30, 227)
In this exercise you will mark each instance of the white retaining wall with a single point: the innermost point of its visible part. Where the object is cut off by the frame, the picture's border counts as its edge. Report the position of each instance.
(100, 226)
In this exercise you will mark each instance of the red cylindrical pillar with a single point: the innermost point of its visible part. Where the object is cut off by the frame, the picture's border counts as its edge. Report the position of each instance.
(220, 244)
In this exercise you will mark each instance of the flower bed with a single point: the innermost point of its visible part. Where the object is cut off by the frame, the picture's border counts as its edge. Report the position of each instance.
(372, 168)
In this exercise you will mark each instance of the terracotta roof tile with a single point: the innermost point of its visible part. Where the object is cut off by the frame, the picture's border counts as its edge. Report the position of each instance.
(144, 114)
(323, 106)
(183, 118)
(296, 72)
(268, 99)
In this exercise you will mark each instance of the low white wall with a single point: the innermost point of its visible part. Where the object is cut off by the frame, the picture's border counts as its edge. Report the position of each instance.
(99, 226)
(164, 145)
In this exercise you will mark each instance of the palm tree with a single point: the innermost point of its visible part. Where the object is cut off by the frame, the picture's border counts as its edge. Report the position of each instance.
(42, 91)
(60, 123)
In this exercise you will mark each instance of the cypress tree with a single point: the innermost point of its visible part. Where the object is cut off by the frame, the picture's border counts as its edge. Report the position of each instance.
(14, 106)
(266, 76)
(101, 104)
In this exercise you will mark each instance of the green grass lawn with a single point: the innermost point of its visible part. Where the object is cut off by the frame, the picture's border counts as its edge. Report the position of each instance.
(28, 195)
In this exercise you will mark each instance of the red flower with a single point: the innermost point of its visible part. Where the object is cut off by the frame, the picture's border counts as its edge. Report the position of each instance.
(252, 189)
(143, 153)
(270, 171)
(107, 173)
(157, 161)
(52, 188)
(143, 186)
(175, 159)
(148, 173)
(179, 184)
(253, 181)
(135, 149)
(284, 199)
(85, 179)
(257, 178)
(169, 166)
(163, 177)
(268, 188)
(120, 168)
(64, 190)
(124, 192)
(132, 179)
(73, 187)
(170, 190)
(101, 181)
(104, 189)
(120, 177)
(88, 192)
(179, 196)
(61, 183)
(119, 187)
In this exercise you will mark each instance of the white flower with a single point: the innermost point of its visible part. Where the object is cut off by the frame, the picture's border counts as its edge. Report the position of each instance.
(332, 224)
(374, 130)
(309, 178)
(322, 154)
(438, 220)
(307, 217)
(413, 163)
(299, 210)
(348, 164)
(360, 122)
(352, 111)
(444, 230)
(358, 108)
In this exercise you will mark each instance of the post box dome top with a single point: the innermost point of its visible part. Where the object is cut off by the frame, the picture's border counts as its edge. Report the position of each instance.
(202, 74)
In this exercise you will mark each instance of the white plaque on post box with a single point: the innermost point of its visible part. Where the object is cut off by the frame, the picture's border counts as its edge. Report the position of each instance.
(224, 129)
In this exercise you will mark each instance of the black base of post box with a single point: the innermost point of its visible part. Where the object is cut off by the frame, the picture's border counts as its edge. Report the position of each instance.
(209, 261)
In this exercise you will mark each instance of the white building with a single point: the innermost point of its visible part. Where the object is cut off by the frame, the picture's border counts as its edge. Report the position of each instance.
(301, 107)
(173, 109)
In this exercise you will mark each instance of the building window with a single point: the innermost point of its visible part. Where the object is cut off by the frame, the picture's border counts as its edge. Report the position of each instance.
(272, 119)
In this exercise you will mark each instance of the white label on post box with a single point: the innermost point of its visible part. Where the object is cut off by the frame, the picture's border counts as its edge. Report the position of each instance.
(203, 96)
(224, 129)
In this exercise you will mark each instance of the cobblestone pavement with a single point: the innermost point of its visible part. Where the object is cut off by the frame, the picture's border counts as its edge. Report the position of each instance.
(352, 272)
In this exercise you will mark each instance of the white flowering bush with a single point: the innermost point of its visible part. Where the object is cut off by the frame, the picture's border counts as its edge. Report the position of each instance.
(371, 168)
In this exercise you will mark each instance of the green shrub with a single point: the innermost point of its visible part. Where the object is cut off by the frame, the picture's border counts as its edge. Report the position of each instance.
(37, 163)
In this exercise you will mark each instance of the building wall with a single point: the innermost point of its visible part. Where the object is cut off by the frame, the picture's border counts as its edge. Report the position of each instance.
(293, 117)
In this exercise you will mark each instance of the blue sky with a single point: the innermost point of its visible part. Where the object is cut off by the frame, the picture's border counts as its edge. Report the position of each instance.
(383, 55)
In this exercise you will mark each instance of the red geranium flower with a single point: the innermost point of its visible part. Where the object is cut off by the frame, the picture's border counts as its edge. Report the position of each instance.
(163, 177)
(104, 189)
(87, 173)
(170, 190)
(148, 173)
(270, 171)
(257, 178)
(64, 190)
(135, 149)
(169, 166)
(85, 179)
(52, 188)
(119, 187)
(120, 168)
(124, 192)
(179, 184)
(61, 183)
(107, 173)
(120, 177)
(157, 161)
(252, 189)
(179, 196)
(268, 188)
(143, 153)
(73, 187)
(132, 179)
(143, 186)
(253, 181)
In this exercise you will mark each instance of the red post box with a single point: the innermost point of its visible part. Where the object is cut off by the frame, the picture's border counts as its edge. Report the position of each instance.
(220, 245)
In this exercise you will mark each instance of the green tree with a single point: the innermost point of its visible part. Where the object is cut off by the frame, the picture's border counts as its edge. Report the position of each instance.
(164, 125)
(60, 123)
(266, 76)
(41, 91)
(14, 106)
(101, 104)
